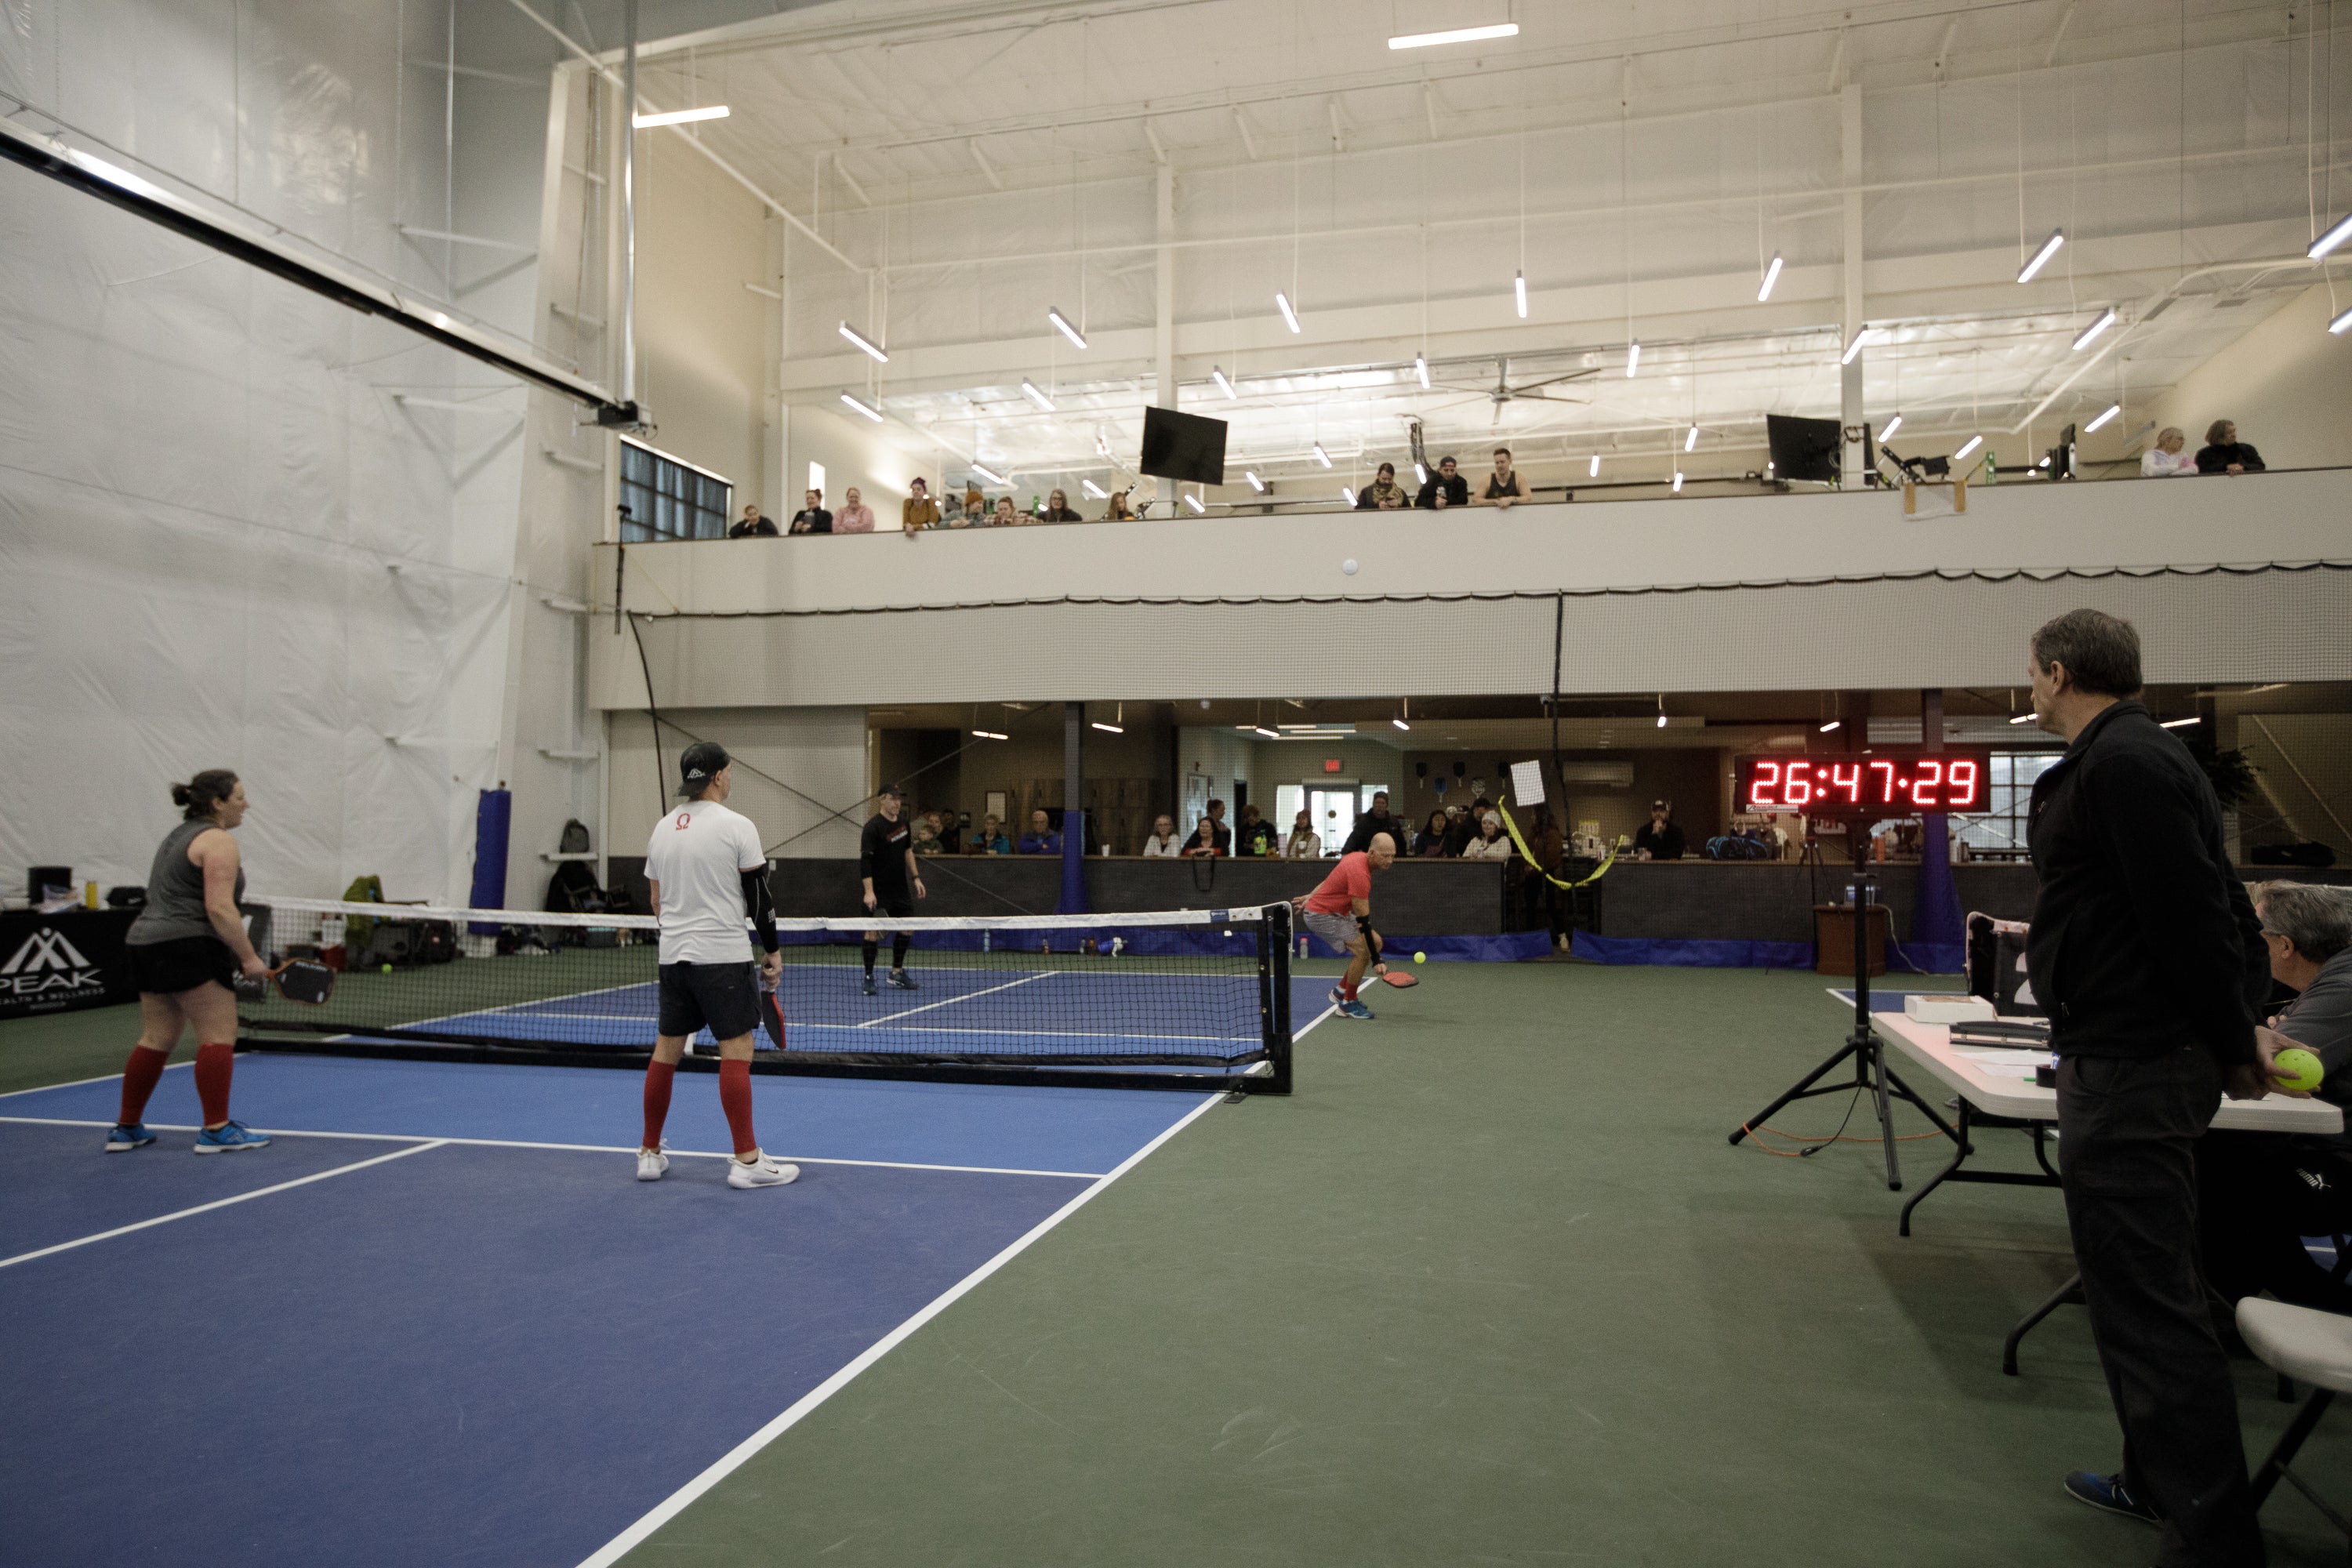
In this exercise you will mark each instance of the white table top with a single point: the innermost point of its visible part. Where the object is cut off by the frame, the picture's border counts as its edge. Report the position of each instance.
(2000, 1081)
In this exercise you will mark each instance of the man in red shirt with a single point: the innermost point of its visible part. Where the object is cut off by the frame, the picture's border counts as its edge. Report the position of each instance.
(1340, 912)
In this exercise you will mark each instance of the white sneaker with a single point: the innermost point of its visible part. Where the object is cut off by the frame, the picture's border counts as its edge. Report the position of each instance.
(651, 1164)
(764, 1171)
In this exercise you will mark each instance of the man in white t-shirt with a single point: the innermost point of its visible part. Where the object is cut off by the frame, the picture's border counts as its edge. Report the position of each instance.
(709, 875)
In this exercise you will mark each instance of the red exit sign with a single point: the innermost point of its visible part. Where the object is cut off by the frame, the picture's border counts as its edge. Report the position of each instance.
(1330, 764)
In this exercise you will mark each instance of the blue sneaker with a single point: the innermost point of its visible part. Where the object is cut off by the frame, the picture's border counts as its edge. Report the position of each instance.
(1354, 1010)
(227, 1138)
(120, 1138)
(2107, 1494)
(902, 980)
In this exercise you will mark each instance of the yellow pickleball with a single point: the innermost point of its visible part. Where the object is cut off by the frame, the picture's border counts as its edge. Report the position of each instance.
(2301, 1069)
(1420, 958)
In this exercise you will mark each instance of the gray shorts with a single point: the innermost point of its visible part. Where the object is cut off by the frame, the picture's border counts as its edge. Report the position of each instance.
(1339, 931)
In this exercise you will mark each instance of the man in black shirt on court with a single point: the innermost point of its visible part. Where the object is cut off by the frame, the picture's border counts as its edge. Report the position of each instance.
(886, 862)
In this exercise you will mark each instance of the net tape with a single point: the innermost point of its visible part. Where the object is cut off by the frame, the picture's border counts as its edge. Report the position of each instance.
(803, 926)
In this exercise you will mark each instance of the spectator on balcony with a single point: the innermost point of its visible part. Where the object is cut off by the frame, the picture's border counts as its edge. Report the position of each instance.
(1445, 488)
(1491, 842)
(1429, 844)
(919, 509)
(855, 516)
(1375, 820)
(1057, 509)
(989, 839)
(1205, 843)
(1163, 845)
(1118, 511)
(1255, 836)
(1503, 487)
(753, 525)
(812, 518)
(952, 512)
(1007, 515)
(2224, 453)
(2166, 457)
(1460, 829)
(1383, 494)
(1304, 843)
(1217, 819)
(1661, 838)
(1041, 839)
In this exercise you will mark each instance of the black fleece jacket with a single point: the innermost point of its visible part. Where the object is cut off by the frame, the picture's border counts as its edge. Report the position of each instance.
(2143, 938)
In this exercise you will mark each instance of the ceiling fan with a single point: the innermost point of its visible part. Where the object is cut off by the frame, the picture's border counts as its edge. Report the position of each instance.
(1503, 392)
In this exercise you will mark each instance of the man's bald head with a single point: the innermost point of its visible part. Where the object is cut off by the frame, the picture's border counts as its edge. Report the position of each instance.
(1382, 851)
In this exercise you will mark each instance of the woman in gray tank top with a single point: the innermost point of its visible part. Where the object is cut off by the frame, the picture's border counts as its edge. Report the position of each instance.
(187, 949)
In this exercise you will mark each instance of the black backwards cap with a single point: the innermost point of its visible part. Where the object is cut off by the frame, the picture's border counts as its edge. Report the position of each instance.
(701, 764)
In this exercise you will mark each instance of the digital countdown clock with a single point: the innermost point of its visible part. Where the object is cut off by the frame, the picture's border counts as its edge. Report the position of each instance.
(1885, 781)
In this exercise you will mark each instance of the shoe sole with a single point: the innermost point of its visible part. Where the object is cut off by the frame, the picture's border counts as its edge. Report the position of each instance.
(2109, 1508)
(653, 1177)
(112, 1148)
(746, 1186)
(231, 1148)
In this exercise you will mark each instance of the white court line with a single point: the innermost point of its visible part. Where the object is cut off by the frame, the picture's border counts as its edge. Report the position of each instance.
(948, 1002)
(78, 1082)
(1298, 1034)
(219, 1203)
(568, 1148)
(676, 1502)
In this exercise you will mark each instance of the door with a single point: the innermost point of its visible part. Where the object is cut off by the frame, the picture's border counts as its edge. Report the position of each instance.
(1332, 809)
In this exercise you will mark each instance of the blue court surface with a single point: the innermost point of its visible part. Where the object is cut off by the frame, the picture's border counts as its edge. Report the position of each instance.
(446, 1324)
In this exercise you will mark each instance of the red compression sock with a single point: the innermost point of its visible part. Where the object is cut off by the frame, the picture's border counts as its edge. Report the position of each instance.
(735, 1099)
(139, 1076)
(658, 1075)
(214, 1064)
(1347, 991)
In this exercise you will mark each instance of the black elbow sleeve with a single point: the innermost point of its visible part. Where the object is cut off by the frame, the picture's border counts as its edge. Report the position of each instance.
(761, 908)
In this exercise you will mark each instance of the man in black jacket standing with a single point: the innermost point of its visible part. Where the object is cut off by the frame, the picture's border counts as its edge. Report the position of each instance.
(2147, 955)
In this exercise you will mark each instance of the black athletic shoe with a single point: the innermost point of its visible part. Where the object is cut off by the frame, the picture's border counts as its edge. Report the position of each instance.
(871, 989)
(2108, 1493)
(903, 981)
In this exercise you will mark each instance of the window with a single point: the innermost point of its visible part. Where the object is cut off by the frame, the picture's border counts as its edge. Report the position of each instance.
(668, 499)
(2002, 825)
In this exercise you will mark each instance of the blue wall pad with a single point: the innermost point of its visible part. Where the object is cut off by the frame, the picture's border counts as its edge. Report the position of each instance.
(1693, 953)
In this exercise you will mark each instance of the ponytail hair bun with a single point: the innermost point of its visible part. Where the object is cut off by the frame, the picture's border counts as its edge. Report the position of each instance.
(201, 796)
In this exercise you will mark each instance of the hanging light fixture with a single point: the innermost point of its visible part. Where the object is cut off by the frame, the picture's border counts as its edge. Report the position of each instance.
(2042, 256)
(2090, 334)
(1290, 316)
(1222, 385)
(1322, 456)
(863, 407)
(854, 336)
(1421, 370)
(2330, 240)
(1256, 483)
(1061, 324)
(1094, 490)
(1519, 288)
(1595, 471)
(1194, 502)
(1973, 443)
(2112, 409)
(1771, 275)
(1690, 441)
(1632, 356)
(1892, 426)
(985, 472)
(1029, 390)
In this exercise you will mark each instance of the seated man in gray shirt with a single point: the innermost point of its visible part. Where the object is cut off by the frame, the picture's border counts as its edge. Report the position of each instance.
(2260, 1193)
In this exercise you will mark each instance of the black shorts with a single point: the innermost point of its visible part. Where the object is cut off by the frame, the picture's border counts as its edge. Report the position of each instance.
(895, 903)
(181, 964)
(722, 998)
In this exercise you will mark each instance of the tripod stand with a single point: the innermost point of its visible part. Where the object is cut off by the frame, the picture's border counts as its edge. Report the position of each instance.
(1867, 1051)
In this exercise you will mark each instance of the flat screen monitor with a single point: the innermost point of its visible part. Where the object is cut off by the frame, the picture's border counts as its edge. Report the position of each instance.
(2061, 456)
(1183, 447)
(1804, 449)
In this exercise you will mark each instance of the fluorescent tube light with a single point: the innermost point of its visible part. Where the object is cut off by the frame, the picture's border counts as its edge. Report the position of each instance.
(1892, 426)
(1519, 286)
(2341, 324)
(2106, 319)
(679, 117)
(2330, 240)
(2022, 719)
(1632, 356)
(990, 735)
(1400, 724)
(863, 342)
(1222, 385)
(1690, 441)
(1322, 456)
(1094, 490)
(1833, 725)
(1061, 324)
(985, 472)
(1262, 729)
(1973, 443)
(1109, 729)
(2042, 256)
(2176, 723)
(1346, 495)
(1290, 316)
(1454, 35)
(1678, 481)
(1256, 483)
(1854, 347)
(862, 407)
(1771, 275)
(1595, 471)
(1421, 370)
(1420, 473)
(1194, 502)
(2112, 409)
(1662, 721)
(1029, 390)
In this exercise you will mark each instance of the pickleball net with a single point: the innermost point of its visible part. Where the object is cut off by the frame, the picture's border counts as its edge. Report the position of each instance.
(1158, 997)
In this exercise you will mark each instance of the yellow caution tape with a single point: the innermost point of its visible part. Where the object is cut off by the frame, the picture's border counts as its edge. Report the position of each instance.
(1599, 872)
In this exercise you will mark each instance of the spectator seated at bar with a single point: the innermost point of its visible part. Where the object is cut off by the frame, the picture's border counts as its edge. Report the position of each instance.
(2224, 453)
(1429, 844)
(1225, 834)
(1491, 843)
(926, 839)
(1255, 836)
(855, 516)
(753, 525)
(2260, 1193)
(2167, 458)
(1661, 838)
(1375, 820)
(1041, 839)
(1204, 844)
(989, 839)
(1163, 845)
(1445, 488)
(812, 518)
(1303, 843)
(1383, 494)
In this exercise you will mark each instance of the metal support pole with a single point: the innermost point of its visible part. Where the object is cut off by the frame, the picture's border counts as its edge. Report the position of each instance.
(629, 206)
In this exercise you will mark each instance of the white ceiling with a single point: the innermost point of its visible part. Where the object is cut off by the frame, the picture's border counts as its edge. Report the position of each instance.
(980, 159)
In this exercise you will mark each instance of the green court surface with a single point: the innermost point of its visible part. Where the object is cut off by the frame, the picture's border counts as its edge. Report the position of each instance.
(1490, 1287)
